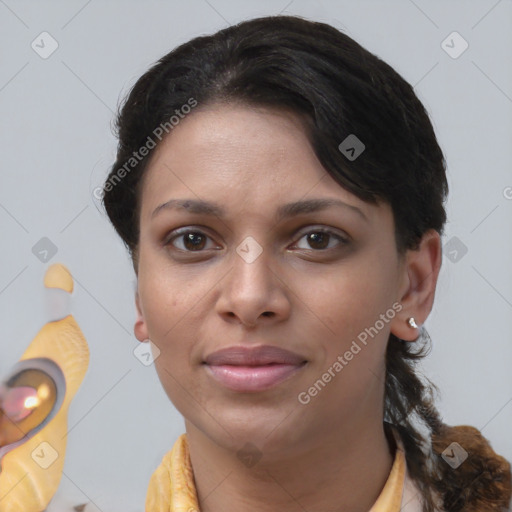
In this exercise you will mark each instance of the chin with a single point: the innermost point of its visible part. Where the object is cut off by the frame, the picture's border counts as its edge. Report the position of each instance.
(269, 431)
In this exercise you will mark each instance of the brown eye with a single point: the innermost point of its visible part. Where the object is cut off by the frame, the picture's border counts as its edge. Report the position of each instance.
(320, 239)
(192, 241)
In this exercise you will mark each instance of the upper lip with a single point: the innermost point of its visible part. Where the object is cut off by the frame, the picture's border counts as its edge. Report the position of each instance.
(253, 356)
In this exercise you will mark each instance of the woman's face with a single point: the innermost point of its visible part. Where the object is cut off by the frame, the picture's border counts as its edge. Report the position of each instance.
(316, 282)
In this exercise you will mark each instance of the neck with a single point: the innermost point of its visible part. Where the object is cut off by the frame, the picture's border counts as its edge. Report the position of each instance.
(337, 471)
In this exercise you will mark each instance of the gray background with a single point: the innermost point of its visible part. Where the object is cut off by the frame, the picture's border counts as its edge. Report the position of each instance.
(57, 146)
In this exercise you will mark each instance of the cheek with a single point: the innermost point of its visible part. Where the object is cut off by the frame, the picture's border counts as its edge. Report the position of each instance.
(179, 386)
(347, 308)
(174, 329)
(348, 299)
(351, 345)
(168, 299)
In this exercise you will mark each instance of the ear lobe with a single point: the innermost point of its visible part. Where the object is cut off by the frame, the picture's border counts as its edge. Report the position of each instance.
(140, 328)
(421, 270)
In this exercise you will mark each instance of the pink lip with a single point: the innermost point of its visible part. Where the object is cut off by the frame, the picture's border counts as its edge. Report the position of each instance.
(252, 378)
(252, 369)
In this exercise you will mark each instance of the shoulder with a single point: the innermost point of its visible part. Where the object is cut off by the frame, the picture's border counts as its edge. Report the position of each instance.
(158, 495)
(412, 497)
(172, 486)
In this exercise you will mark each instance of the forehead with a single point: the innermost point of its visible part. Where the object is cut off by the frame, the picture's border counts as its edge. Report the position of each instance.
(238, 139)
(228, 130)
(244, 156)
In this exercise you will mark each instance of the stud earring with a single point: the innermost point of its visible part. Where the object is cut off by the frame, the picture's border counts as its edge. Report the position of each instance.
(412, 323)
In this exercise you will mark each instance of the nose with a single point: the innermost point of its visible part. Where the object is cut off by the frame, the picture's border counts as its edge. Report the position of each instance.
(255, 289)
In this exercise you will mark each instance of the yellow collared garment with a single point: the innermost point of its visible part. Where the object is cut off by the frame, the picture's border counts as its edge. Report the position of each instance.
(172, 488)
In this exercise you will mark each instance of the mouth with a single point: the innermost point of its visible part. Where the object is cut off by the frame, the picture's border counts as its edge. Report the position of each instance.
(254, 378)
(250, 368)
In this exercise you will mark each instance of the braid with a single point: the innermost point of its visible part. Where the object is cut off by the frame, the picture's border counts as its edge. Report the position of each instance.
(481, 483)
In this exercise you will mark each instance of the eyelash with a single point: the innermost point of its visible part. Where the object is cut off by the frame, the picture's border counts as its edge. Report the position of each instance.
(180, 233)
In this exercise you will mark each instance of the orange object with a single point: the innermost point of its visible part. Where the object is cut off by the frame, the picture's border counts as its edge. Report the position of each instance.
(53, 365)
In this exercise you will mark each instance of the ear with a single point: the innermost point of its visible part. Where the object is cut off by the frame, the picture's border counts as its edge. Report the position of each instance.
(140, 329)
(419, 272)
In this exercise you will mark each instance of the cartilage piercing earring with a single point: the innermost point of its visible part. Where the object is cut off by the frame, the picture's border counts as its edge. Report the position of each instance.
(412, 323)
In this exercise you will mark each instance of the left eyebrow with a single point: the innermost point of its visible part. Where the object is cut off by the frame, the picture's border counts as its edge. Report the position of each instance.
(284, 211)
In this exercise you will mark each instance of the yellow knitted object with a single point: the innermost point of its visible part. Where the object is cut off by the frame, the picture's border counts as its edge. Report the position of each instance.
(171, 487)
(30, 473)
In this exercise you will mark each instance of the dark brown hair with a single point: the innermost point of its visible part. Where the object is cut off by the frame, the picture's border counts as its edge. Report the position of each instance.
(341, 88)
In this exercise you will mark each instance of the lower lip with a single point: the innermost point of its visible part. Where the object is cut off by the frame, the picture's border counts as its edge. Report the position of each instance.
(252, 378)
